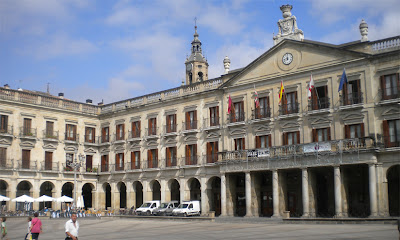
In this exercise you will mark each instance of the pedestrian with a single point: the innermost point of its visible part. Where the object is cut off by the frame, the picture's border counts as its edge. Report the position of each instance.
(36, 226)
(28, 235)
(3, 229)
(72, 228)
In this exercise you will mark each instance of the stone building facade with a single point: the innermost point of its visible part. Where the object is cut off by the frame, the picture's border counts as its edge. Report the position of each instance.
(330, 154)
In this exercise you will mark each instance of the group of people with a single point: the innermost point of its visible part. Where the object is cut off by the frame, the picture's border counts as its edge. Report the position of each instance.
(35, 228)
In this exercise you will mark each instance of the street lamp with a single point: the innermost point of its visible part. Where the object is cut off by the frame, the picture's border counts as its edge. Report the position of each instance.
(75, 164)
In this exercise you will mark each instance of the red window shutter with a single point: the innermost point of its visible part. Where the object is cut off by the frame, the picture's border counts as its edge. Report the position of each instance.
(74, 130)
(150, 158)
(314, 135)
(383, 87)
(93, 134)
(258, 142)
(208, 149)
(89, 161)
(346, 131)
(298, 137)
(386, 133)
(195, 150)
(195, 115)
(243, 143)
(235, 140)
(284, 139)
(123, 131)
(329, 133)
(362, 130)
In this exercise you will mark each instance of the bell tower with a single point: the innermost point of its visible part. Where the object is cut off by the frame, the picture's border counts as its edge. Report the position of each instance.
(196, 64)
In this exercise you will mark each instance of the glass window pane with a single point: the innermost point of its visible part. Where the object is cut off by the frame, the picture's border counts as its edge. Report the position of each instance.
(392, 137)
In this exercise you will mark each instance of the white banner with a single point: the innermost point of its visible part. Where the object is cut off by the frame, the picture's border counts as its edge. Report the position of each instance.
(258, 153)
(317, 147)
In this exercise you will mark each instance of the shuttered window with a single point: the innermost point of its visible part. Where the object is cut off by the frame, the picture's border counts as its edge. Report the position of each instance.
(152, 126)
(391, 133)
(214, 116)
(48, 160)
(105, 134)
(239, 144)
(119, 161)
(212, 152)
(191, 154)
(90, 134)
(152, 158)
(104, 163)
(89, 163)
(27, 127)
(171, 156)
(191, 120)
(171, 123)
(263, 141)
(321, 134)
(70, 132)
(136, 129)
(291, 138)
(390, 85)
(3, 157)
(3, 123)
(135, 160)
(120, 135)
(26, 159)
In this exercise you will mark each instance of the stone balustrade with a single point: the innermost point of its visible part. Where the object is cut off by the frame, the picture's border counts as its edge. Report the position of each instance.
(387, 43)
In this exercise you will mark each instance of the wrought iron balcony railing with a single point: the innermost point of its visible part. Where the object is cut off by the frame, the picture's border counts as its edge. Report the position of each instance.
(104, 167)
(151, 131)
(320, 103)
(233, 117)
(211, 122)
(171, 162)
(27, 164)
(260, 113)
(212, 158)
(134, 165)
(190, 125)
(351, 98)
(190, 160)
(6, 130)
(389, 93)
(27, 132)
(50, 135)
(6, 163)
(170, 128)
(134, 134)
(391, 141)
(91, 139)
(49, 166)
(119, 136)
(72, 137)
(152, 163)
(104, 139)
(285, 109)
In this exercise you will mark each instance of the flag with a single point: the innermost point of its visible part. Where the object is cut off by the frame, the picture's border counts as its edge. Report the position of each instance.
(229, 104)
(281, 92)
(310, 87)
(256, 100)
(343, 80)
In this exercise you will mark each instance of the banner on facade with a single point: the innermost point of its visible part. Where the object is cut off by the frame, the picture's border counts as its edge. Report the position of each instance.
(317, 147)
(258, 153)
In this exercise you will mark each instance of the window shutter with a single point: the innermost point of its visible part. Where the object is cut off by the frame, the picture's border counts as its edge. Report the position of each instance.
(386, 133)
(208, 149)
(346, 131)
(314, 99)
(362, 130)
(194, 150)
(398, 81)
(314, 135)
(298, 137)
(123, 131)
(168, 123)
(235, 141)
(258, 142)
(243, 144)
(329, 133)
(383, 87)
(93, 134)
(89, 161)
(195, 115)
(149, 158)
(217, 114)
(284, 139)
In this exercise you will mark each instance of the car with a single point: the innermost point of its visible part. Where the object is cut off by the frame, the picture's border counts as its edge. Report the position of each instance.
(187, 208)
(166, 208)
(147, 208)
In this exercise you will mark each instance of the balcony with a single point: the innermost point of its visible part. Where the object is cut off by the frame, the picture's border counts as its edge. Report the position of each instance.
(104, 139)
(49, 166)
(234, 118)
(6, 164)
(134, 135)
(71, 138)
(90, 169)
(151, 132)
(104, 167)
(134, 165)
(390, 94)
(190, 160)
(119, 137)
(261, 113)
(50, 135)
(91, 140)
(391, 141)
(171, 162)
(291, 108)
(27, 133)
(152, 163)
(212, 158)
(318, 104)
(117, 167)
(170, 129)
(27, 165)
(6, 130)
(67, 169)
(191, 125)
(351, 99)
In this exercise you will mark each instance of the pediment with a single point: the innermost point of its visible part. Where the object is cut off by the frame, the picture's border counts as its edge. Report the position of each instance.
(391, 113)
(27, 144)
(89, 150)
(152, 143)
(119, 148)
(353, 118)
(213, 135)
(290, 124)
(320, 122)
(190, 138)
(50, 146)
(238, 131)
(135, 145)
(105, 150)
(306, 55)
(5, 141)
(170, 141)
(70, 148)
(261, 128)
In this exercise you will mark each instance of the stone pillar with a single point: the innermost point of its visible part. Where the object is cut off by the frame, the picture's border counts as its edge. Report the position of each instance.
(147, 194)
(115, 195)
(275, 193)
(205, 208)
(248, 194)
(165, 196)
(372, 191)
(338, 191)
(223, 196)
(130, 200)
(183, 190)
(305, 193)
(12, 193)
(383, 191)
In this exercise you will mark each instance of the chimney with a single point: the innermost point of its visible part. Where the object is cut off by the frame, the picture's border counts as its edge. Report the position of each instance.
(61, 95)
(89, 101)
(6, 86)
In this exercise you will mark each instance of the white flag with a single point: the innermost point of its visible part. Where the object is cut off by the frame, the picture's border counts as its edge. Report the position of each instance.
(310, 86)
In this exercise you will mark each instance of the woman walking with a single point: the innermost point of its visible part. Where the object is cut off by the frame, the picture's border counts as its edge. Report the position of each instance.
(28, 234)
(36, 226)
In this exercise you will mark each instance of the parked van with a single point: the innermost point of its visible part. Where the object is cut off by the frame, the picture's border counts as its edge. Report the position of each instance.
(147, 208)
(187, 208)
(166, 208)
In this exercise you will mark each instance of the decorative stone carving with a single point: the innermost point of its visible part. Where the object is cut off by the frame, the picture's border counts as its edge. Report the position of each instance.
(364, 31)
(288, 26)
(227, 64)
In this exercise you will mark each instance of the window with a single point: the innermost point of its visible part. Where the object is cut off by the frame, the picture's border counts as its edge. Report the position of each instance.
(119, 162)
(354, 131)
(104, 163)
(49, 133)
(239, 144)
(89, 163)
(321, 134)
(135, 129)
(152, 126)
(171, 156)
(289, 103)
(191, 120)
(291, 138)
(4, 124)
(69, 158)
(27, 127)
(214, 116)
(200, 76)
(263, 141)
(152, 158)
(120, 132)
(26, 159)
(3, 157)
(171, 123)
(319, 98)
(237, 112)
(391, 133)
(212, 152)
(105, 134)
(48, 160)
(90, 135)
(390, 86)
(352, 93)
(191, 154)
(135, 160)
(70, 132)
(263, 110)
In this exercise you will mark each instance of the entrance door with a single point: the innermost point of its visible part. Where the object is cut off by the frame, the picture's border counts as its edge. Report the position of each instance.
(240, 204)
(292, 203)
(267, 208)
(217, 204)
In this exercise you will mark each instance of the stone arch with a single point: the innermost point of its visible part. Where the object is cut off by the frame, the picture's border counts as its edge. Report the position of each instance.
(87, 193)
(194, 188)
(393, 180)
(122, 194)
(174, 189)
(46, 188)
(24, 187)
(138, 189)
(155, 188)
(3, 187)
(67, 189)
(214, 194)
(107, 193)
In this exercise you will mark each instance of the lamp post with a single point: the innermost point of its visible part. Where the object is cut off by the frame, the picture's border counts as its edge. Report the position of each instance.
(75, 164)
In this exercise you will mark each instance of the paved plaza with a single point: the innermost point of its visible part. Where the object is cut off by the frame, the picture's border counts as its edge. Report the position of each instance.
(115, 228)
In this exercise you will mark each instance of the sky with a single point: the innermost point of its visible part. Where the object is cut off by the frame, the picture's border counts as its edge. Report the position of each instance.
(115, 50)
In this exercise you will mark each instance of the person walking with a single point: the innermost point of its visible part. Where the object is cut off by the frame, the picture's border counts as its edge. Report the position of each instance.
(36, 226)
(72, 228)
(28, 235)
(3, 229)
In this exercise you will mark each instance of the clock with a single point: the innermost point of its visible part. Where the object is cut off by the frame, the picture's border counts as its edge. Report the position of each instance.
(287, 58)
(189, 67)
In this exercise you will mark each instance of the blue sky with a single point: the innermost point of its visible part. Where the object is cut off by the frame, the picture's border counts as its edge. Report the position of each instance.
(115, 50)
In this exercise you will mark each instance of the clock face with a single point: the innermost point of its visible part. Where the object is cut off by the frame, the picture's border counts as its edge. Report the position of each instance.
(287, 58)
(189, 67)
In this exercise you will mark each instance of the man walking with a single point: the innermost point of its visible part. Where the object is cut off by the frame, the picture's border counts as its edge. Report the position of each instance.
(72, 228)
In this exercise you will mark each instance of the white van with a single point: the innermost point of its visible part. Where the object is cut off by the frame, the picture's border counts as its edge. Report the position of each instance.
(166, 208)
(187, 208)
(147, 208)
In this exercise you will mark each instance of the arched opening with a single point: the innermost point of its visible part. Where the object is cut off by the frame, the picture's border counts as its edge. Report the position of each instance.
(175, 191)
(3, 192)
(46, 189)
(356, 179)
(393, 178)
(138, 187)
(87, 195)
(195, 189)
(156, 190)
(107, 191)
(190, 78)
(122, 195)
(23, 188)
(215, 195)
(67, 189)
(200, 76)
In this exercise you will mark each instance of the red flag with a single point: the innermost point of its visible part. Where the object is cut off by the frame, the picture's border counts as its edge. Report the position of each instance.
(256, 100)
(310, 87)
(229, 104)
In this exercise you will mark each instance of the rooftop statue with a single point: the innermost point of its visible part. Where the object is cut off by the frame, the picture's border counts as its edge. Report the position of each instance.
(288, 26)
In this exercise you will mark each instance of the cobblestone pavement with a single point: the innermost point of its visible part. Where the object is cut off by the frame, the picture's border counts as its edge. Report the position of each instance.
(115, 228)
